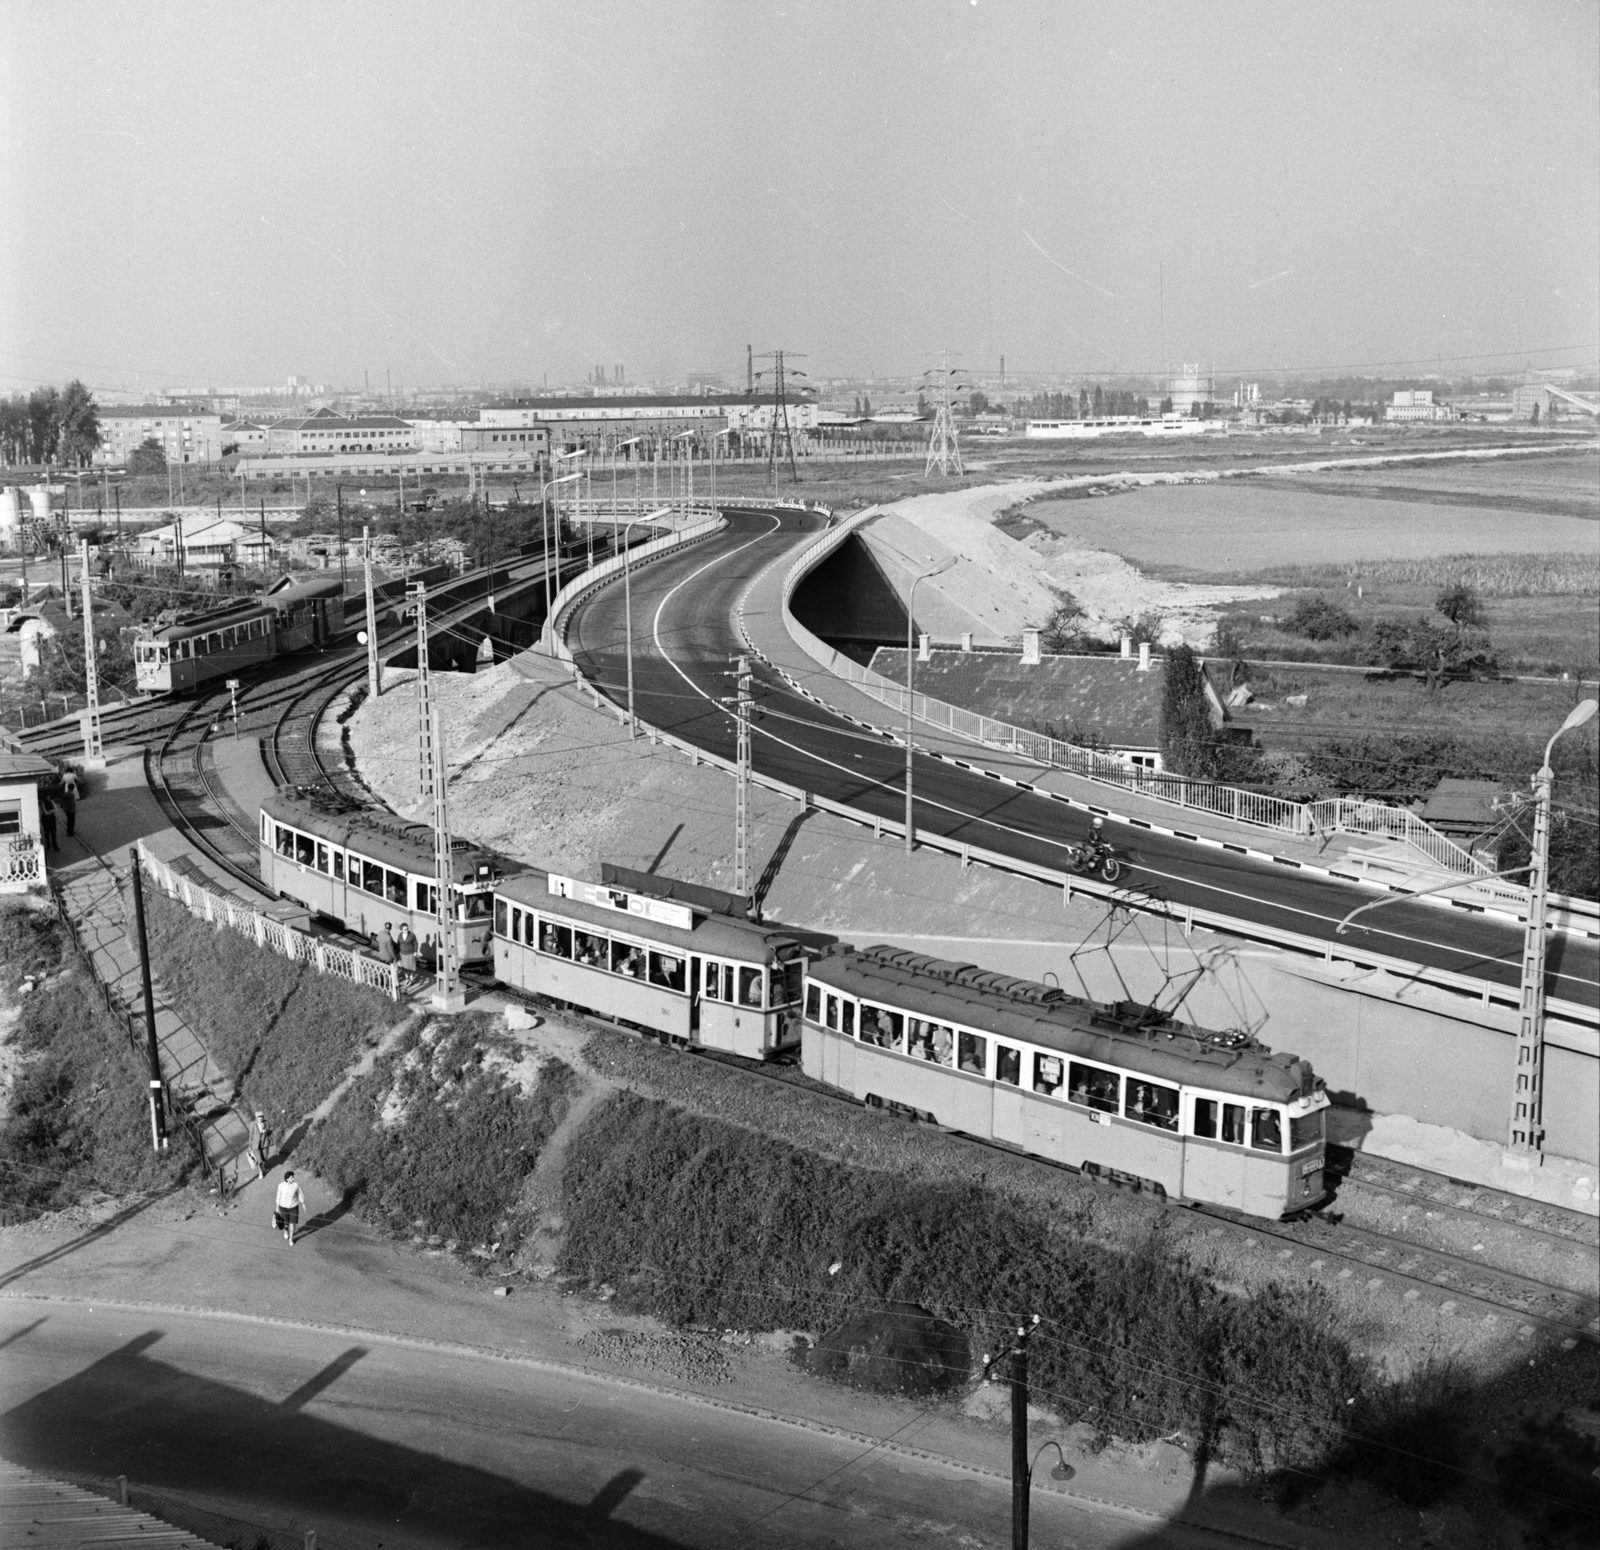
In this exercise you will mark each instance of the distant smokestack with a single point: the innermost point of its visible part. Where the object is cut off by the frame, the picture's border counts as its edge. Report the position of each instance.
(750, 368)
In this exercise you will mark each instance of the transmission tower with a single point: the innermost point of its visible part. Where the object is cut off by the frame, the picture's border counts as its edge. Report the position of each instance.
(418, 593)
(780, 413)
(944, 448)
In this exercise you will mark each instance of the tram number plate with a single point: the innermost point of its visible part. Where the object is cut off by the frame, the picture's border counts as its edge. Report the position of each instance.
(1311, 1165)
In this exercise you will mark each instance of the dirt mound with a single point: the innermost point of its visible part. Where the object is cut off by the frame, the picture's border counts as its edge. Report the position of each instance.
(901, 1349)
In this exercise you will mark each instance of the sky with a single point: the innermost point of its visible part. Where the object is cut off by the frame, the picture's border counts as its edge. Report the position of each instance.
(226, 194)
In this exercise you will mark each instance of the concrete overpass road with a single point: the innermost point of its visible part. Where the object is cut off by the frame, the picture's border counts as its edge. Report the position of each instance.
(686, 639)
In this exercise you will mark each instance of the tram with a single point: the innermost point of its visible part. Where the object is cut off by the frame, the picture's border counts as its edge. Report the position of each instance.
(685, 973)
(1121, 1092)
(366, 869)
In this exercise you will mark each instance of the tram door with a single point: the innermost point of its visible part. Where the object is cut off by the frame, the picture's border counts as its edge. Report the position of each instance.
(1214, 1158)
(694, 998)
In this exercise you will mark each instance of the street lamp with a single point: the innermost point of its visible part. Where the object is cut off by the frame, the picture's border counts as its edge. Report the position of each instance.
(682, 436)
(1525, 1140)
(544, 513)
(627, 603)
(562, 457)
(911, 619)
(727, 430)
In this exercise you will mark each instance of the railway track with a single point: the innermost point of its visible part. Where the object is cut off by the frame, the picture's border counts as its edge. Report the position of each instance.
(1525, 1305)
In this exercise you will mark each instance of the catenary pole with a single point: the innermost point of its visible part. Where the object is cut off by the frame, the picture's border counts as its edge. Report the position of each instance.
(374, 678)
(93, 753)
(158, 1119)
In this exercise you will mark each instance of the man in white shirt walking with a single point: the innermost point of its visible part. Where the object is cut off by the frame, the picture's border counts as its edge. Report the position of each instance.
(286, 1207)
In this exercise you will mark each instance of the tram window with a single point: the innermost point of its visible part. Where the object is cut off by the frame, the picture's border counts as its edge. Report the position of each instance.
(727, 982)
(831, 1020)
(1266, 1131)
(1305, 1130)
(666, 971)
(1008, 1065)
(944, 1045)
(1233, 1123)
(590, 949)
(425, 898)
(338, 866)
(919, 1038)
(813, 1003)
(372, 878)
(499, 917)
(266, 830)
(476, 905)
(1205, 1118)
(1047, 1074)
(881, 1027)
(394, 887)
(627, 959)
(711, 976)
(305, 849)
(750, 990)
(322, 857)
(555, 940)
(1152, 1104)
(285, 841)
(791, 983)
(847, 1018)
(1093, 1088)
(972, 1053)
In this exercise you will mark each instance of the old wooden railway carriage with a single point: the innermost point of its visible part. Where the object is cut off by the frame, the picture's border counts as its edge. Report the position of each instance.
(1117, 1091)
(367, 868)
(198, 650)
(661, 965)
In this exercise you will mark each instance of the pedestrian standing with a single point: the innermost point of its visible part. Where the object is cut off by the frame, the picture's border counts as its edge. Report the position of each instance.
(69, 784)
(260, 1142)
(406, 944)
(386, 948)
(47, 823)
(286, 1207)
(69, 806)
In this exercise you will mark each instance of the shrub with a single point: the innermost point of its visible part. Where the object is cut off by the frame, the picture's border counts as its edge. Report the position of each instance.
(1459, 603)
(285, 1033)
(1190, 743)
(701, 1222)
(438, 1134)
(1319, 619)
(79, 1120)
(1063, 630)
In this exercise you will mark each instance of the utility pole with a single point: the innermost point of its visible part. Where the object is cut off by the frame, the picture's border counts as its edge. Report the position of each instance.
(93, 753)
(158, 1118)
(448, 996)
(66, 590)
(344, 578)
(425, 759)
(374, 678)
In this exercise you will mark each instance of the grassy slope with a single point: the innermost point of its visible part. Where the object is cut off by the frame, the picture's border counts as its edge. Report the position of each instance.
(284, 1032)
(79, 1117)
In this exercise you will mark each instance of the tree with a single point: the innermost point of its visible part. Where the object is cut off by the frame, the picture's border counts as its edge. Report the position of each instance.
(1460, 604)
(44, 424)
(78, 424)
(977, 403)
(1083, 403)
(1318, 619)
(1190, 741)
(1099, 401)
(1166, 404)
(147, 458)
(1063, 630)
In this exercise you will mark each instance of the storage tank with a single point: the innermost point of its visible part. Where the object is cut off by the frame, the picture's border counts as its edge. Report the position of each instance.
(39, 495)
(10, 514)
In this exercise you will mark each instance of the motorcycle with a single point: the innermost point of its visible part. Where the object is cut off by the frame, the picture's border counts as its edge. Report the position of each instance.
(1095, 856)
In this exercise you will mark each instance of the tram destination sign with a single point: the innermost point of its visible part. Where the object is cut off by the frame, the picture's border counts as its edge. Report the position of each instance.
(663, 911)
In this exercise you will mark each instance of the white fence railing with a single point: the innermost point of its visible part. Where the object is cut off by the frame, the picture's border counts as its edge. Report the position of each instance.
(21, 863)
(1335, 815)
(300, 946)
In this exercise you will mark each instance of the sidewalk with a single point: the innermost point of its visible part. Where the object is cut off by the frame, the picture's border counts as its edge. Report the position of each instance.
(90, 877)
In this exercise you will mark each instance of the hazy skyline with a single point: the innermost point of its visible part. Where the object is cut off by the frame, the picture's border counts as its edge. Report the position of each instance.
(224, 194)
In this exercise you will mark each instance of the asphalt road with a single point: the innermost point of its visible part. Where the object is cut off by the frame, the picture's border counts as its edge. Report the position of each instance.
(384, 1446)
(685, 637)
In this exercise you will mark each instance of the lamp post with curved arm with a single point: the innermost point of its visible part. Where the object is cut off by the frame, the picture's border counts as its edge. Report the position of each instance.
(621, 446)
(716, 436)
(627, 603)
(687, 481)
(911, 624)
(544, 515)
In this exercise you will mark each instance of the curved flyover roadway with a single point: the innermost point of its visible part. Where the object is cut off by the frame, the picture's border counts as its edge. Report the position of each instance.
(685, 633)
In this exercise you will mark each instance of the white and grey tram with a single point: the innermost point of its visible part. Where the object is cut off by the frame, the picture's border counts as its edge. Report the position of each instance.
(366, 868)
(1117, 1091)
(661, 965)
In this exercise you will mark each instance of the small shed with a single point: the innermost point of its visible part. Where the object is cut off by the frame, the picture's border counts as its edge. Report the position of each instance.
(21, 841)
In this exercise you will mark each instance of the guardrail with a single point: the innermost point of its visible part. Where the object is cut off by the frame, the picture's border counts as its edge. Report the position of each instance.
(298, 946)
(1337, 815)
